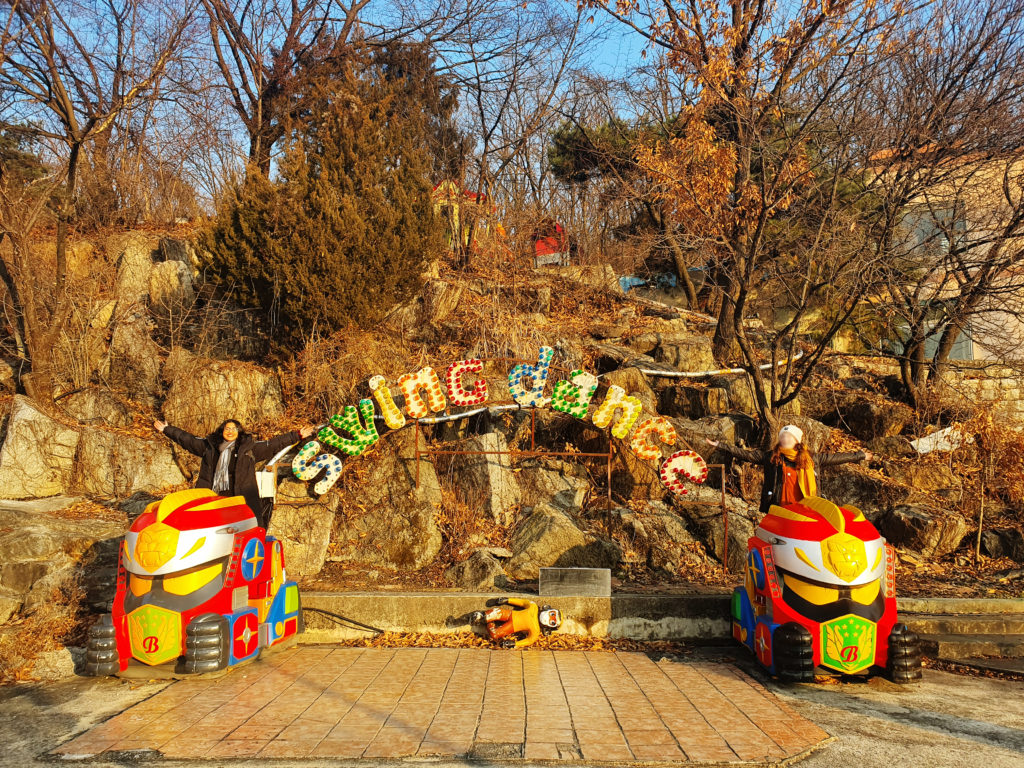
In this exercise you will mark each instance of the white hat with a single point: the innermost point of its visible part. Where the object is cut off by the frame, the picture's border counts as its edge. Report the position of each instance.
(794, 430)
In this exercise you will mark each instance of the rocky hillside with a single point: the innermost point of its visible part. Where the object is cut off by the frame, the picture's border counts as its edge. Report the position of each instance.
(153, 345)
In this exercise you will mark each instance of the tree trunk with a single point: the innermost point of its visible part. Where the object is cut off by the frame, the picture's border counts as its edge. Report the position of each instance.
(725, 331)
(64, 218)
(680, 261)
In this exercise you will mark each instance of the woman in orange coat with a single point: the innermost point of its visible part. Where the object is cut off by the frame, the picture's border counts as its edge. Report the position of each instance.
(789, 466)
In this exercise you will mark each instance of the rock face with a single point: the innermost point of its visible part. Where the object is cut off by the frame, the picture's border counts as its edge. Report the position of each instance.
(550, 537)
(924, 531)
(487, 483)
(41, 553)
(1003, 542)
(394, 524)
(135, 358)
(203, 393)
(37, 455)
(303, 526)
(96, 406)
(480, 572)
(116, 466)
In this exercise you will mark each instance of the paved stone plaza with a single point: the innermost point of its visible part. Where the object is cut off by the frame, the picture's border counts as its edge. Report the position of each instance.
(374, 703)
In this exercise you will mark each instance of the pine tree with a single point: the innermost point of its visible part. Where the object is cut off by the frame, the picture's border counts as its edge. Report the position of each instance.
(344, 231)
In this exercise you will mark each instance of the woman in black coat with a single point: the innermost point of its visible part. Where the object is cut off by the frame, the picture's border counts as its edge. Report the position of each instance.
(230, 455)
(789, 466)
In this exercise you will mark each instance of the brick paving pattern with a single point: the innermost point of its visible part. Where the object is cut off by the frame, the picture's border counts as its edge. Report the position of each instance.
(372, 703)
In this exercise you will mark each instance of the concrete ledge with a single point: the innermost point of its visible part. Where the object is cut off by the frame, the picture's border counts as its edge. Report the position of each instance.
(694, 618)
(691, 618)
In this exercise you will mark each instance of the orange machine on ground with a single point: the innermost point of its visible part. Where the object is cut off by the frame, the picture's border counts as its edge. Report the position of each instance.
(820, 594)
(200, 587)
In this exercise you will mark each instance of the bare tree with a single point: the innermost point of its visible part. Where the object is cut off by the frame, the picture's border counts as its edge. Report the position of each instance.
(949, 185)
(67, 72)
(259, 47)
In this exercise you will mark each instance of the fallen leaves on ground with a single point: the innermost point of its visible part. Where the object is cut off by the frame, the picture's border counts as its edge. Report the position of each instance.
(554, 642)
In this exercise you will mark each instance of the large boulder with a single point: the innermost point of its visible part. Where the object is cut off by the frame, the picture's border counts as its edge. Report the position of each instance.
(38, 453)
(558, 484)
(868, 418)
(135, 358)
(480, 572)
(702, 510)
(390, 522)
(855, 485)
(304, 526)
(922, 530)
(96, 406)
(203, 393)
(685, 352)
(1003, 542)
(115, 466)
(170, 287)
(923, 476)
(133, 257)
(173, 249)
(549, 537)
(486, 482)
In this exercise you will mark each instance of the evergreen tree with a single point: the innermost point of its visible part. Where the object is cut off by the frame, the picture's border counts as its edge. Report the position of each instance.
(343, 234)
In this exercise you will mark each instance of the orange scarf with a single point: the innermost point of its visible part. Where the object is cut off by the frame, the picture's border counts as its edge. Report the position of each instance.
(804, 475)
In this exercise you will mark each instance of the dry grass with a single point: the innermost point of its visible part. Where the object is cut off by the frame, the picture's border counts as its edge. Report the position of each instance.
(54, 624)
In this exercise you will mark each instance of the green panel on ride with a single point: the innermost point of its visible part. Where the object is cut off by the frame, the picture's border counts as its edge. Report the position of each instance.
(848, 644)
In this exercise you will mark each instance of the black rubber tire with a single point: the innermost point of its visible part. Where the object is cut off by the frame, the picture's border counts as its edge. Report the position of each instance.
(206, 644)
(904, 655)
(101, 649)
(793, 649)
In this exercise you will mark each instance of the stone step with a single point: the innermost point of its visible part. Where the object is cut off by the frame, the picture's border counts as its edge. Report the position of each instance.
(958, 605)
(966, 647)
(965, 624)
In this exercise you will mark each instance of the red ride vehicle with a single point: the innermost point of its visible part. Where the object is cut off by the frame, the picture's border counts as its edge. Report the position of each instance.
(200, 587)
(820, 594)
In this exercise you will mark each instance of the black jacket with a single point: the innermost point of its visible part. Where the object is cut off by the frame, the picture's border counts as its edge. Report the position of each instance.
(771, 490)
(247, 453)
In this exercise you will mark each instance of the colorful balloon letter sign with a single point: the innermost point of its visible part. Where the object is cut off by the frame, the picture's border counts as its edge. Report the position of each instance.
(362, 436)
(354, 430)
(683, 465)
(424, 379)
(393, 417)
(307, 464)
(618, 400)
(574, 396)
(641, 442)
(537, 375)
(459, 395)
